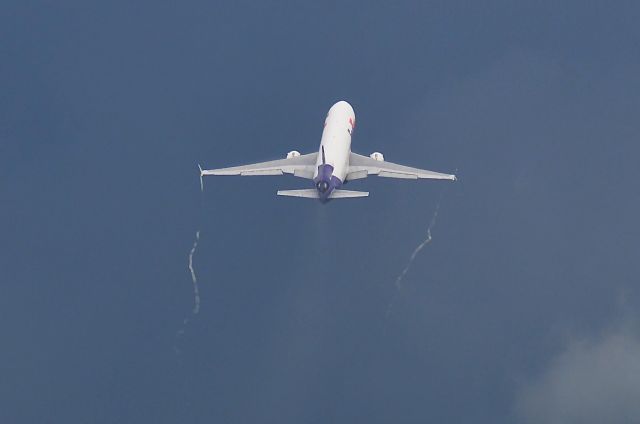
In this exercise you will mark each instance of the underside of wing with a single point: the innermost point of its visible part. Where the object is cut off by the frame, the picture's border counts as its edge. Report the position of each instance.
(362, 166)
(301, 166)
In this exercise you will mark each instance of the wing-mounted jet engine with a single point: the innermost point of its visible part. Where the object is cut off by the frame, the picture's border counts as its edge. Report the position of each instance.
(377, 156)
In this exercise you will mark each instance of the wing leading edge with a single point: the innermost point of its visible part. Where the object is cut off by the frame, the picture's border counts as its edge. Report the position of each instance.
(362, 166)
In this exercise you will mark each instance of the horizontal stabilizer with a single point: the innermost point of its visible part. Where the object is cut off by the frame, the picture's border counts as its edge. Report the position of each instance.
(312, 193)
(343, 194)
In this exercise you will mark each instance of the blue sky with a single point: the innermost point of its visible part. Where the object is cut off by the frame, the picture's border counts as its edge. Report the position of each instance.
(525, 294)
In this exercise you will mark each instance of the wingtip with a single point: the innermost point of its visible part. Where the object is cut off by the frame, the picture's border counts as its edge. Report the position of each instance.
(201, 182)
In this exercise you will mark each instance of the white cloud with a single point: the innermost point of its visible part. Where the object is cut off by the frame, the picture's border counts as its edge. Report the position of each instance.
(591, 381)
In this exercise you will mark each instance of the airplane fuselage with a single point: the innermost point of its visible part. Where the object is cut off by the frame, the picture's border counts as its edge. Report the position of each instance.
(333, 156)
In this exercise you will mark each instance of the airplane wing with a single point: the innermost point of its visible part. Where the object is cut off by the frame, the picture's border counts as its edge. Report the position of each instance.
(362, 166)
(301, 166)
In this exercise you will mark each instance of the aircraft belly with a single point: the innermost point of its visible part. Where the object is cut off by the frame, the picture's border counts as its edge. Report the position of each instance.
(336, 140)
(337, 155)
(336, 149)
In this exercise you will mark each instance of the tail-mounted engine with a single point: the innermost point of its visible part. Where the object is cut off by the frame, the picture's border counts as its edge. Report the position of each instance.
(377, 156)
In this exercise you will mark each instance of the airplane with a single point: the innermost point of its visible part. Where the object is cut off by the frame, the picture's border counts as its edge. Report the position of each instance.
(333, 165)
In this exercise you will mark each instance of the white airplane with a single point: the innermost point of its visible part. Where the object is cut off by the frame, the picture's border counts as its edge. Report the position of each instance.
(333, 165)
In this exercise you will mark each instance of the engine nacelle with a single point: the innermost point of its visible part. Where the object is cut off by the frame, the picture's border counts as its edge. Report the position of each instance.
(377, 156)
(293, 154)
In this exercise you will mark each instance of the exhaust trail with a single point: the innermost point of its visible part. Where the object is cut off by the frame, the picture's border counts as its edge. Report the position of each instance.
(417, 250)
(194, 280)
(414, 254)
(196, 290)
(194, 283)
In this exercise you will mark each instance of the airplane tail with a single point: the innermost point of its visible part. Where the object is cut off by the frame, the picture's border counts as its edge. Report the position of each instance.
(312, 193)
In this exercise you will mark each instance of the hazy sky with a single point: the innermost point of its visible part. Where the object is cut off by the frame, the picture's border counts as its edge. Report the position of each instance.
(522, 309)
